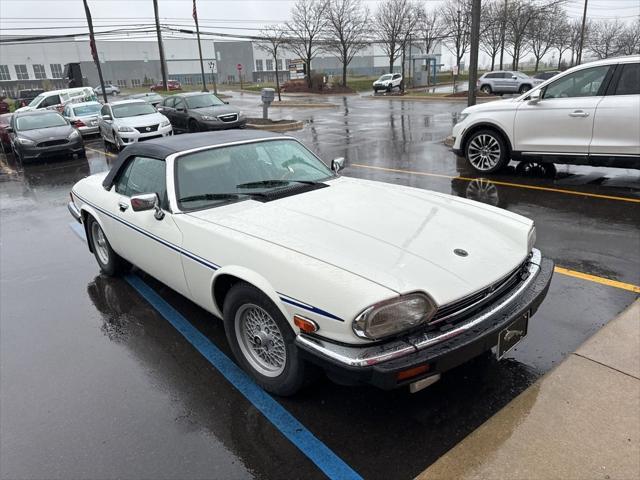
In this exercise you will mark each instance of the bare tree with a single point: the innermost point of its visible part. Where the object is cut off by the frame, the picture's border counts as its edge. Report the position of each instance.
(348, 23)
(431, 30)
(391, 20)
(491, 30)
(605, 37)
(543, 30)
(305, 29)
(274, 41)
(456, 16)
(520, 14)
(562, 39)
(576, 46)
(629, 39)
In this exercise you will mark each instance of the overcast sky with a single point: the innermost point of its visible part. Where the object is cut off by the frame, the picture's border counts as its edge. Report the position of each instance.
(227, 16)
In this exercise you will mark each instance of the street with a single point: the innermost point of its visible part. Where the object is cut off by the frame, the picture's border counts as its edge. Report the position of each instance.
(98, 383)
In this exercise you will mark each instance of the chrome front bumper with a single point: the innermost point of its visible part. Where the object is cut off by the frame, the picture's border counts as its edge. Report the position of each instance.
(74, 211)
(362, 356)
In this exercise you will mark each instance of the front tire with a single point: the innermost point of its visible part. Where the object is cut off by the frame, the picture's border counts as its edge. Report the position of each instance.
(486, 151)
(262, 340)
(114, 93)
(110, 262)
(524, 88)
(193, 126)
(486, 89)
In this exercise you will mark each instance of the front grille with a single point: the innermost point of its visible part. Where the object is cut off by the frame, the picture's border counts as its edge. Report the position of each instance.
(456, 311)
(53, 143)
(143, 139)
(150, 128)
(229, 118)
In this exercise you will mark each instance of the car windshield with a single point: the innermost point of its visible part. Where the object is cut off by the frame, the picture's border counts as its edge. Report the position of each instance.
(43, 120)
(203, 101)
(82, 110)
(385, 77)
(132, 109)
(36, 101)
(218, 175)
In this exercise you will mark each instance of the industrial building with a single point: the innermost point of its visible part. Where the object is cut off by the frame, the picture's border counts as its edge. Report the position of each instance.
(136, 63)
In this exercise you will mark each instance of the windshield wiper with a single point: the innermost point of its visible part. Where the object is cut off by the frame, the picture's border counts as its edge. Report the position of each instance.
(219, 196)
(275, 183)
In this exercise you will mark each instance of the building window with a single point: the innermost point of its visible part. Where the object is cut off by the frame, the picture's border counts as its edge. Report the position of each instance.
(135, 82)
(269, 65)
(259, 65)
(4, 72)
(280, 67)
(188, 80)
(56, 70)
(38, 70)
(21, 72)
(122, 83)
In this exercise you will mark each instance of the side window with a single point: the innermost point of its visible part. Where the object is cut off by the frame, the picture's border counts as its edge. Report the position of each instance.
(143, 175)
(50, 101)
(629, 81)
(180, 104)
(396, 76)
(583, 83)
(168, 102)
(104, 110)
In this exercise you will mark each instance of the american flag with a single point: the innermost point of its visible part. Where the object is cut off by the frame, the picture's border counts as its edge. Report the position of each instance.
(195, 12)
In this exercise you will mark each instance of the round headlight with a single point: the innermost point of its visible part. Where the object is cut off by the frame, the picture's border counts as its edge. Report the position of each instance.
(394, 316)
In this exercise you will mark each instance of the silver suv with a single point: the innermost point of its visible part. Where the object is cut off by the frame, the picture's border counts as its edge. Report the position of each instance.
(506, 82)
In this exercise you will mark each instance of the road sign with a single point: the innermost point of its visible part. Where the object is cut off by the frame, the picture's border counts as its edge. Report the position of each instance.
(454, 70)
(296, 70)
(239, 67)
(213, 66)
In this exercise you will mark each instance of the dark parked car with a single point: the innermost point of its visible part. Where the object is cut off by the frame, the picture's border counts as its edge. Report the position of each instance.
(546, 75)
(171, 85)
(41, 134)
(5, 139)
(197, 112)
(27, 95)
(153, 98)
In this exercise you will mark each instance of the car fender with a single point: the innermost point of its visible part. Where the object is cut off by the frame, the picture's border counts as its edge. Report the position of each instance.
(489, 123)
(88, 209)
(253, 278)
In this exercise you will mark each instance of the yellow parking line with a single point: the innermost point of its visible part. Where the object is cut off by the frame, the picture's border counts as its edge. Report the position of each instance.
(108, 154)
(497, 182)
(603, 281)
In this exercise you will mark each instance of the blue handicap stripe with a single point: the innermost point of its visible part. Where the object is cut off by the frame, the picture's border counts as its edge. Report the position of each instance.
(325, 459)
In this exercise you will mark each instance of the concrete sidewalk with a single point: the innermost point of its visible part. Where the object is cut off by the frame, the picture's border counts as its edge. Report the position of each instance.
(579, 421)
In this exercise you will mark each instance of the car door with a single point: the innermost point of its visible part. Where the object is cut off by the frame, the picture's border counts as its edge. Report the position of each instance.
(180, 114)
(561, 122)
(106, 126)
(166, 108)
(616, 126)
(150, 244)
(50, 102)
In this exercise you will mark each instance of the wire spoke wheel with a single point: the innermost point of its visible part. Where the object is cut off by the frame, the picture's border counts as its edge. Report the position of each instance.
(484, 152)
(100, 243)
(260, 340)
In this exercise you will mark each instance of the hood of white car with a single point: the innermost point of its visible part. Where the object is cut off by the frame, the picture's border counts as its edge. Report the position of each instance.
(492, 106)
(399, 237)
(141, 120)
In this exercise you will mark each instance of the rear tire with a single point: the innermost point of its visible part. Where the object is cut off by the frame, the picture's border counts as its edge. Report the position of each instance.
(262, 340)
(110, 262)
(486, 151)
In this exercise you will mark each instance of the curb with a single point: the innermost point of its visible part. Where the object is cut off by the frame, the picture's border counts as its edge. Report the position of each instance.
(303, 105)
(430, 99)
(277, 127)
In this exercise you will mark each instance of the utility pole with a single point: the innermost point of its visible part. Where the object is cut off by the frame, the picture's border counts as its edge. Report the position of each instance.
(584, 24)
(195, 17)
(94, 49)
(503, 30)
(473, 56)
(163, 66)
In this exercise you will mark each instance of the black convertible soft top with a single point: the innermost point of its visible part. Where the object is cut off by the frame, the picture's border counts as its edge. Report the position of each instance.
(163, 147)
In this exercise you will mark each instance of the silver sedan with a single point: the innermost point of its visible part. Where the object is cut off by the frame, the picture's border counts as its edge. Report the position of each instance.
(83, 116)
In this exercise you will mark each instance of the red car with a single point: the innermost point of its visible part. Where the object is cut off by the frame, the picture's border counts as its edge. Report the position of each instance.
(5, 141)
(171, 85)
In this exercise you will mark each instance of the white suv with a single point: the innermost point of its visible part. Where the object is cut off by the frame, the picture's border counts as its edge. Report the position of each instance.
(388, 82)
(588, 115)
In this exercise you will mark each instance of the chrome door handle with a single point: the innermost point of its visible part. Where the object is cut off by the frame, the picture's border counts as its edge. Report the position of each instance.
(579, 113)
(123, 206)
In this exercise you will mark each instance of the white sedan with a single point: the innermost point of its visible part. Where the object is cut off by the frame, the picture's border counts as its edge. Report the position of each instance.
(129, 121)
(375, 283)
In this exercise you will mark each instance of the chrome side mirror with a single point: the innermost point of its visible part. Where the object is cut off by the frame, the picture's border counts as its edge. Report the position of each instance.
(535, 97)
(106, 118)
(147, 201)
(337, 164)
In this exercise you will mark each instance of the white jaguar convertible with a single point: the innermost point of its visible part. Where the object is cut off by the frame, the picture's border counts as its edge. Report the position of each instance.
(372, 282)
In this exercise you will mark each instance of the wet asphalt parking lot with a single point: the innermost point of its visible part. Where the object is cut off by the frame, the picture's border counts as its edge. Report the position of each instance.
(95, 382)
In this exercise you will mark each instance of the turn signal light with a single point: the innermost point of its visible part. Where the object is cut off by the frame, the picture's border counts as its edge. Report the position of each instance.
(412, 372)
(79, 123)
(304, 324)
